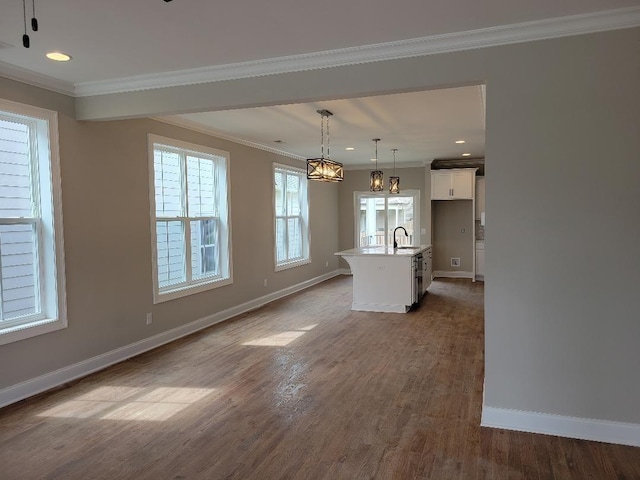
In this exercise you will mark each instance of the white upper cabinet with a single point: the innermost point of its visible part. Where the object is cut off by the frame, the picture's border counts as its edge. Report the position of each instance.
(452, 184)
(440, 185)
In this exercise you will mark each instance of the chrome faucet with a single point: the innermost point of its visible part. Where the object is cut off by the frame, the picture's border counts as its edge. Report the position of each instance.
(395, 243)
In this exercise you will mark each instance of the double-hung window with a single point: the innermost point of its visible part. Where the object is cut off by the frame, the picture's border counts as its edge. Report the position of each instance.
(190, 211)
(291, 203)
(32, 283)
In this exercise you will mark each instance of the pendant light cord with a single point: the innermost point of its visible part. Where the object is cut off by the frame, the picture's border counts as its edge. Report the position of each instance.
(328, 154)
(34, 20)
(26, 42)
(321, 136)
(324, 114)
(394, 150)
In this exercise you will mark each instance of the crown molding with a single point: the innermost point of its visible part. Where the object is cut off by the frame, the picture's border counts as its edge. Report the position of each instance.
(446, 43)
(30, 77)
(436, 44)
(198, 127)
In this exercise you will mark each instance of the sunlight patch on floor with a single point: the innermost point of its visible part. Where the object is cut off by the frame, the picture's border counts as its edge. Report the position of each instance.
(281, 339)
(129, 403)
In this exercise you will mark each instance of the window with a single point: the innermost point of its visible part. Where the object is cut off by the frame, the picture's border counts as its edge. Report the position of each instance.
(190, 218)
(377, 215)
(32, 284)
(291, 203)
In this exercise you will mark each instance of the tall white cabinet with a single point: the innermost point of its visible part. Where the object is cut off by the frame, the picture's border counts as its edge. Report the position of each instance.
(480, 260)
(457, 184)
(480, 203)
(480, 208)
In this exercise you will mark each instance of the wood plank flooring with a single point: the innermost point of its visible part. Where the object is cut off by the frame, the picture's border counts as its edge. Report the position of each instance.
(302, 388)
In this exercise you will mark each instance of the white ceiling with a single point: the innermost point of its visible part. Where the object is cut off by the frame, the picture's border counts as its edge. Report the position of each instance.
(120, 39)
(421, 125)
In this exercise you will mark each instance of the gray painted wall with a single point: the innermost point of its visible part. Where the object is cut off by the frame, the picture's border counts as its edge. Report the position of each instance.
(562, 260)
(562, 257)
(105, 189)
(450, 217)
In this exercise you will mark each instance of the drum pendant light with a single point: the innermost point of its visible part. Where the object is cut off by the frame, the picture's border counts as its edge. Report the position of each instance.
(394, 182)
(376, 183)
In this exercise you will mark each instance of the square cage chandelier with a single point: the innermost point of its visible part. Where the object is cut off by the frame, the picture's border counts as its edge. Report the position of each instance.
(324, 169)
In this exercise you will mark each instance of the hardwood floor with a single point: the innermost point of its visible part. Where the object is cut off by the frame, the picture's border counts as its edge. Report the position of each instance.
(302, 388)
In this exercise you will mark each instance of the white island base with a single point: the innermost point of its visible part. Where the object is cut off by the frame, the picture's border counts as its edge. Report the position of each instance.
(387, 279)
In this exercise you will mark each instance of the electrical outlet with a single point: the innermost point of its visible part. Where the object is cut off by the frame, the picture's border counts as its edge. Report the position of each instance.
(326, 264)
(149, 318)
(455, 261)
(265, 282)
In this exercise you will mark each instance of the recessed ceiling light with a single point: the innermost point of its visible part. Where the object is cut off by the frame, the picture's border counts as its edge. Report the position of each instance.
(373, 159)
(466, 154)
(349, 148)
(461, 141)
(58, 56)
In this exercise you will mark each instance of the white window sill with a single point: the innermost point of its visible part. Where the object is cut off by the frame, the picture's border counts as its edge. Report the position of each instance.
(293, 264)
(31, 329)
(186, 290)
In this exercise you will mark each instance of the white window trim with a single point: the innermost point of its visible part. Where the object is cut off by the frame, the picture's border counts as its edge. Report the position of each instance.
(306, 230)
(404, 193)
(165, 295)
(52, 273)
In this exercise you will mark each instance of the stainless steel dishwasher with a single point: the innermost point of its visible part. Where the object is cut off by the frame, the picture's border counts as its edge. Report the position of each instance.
(417, 279)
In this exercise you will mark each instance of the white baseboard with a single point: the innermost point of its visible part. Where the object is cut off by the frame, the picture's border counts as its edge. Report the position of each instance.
(344, 271)
(452, 274)
(28, 388)
(378, 307)
(562, 426)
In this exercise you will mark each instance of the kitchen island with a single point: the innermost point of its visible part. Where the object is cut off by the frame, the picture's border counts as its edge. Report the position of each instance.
(387, 279)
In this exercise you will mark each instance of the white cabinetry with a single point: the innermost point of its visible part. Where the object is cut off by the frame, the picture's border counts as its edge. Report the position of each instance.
(452, 184)
(480, 260)
(440, 185)
(387, 279)
(480, 189)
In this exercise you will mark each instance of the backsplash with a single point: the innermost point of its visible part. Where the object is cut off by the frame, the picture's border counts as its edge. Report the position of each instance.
(479, 231)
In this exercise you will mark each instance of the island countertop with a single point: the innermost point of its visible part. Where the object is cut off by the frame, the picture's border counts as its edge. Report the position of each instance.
(377, 250)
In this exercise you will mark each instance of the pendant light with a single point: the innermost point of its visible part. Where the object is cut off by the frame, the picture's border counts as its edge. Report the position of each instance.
(26, 41)
(394, 182)
(324, 169)
(34, 20)
(377, 180)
